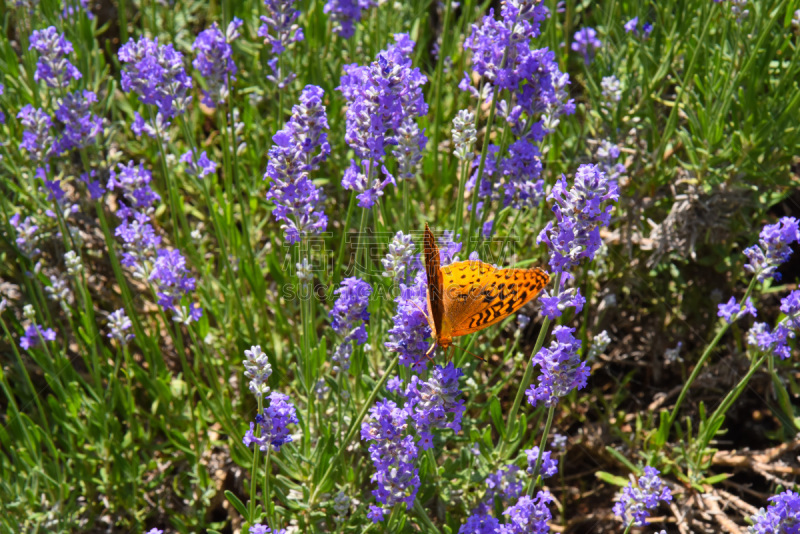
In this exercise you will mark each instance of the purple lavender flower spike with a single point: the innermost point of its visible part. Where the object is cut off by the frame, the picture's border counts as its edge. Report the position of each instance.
(133, 183)
(487, 230)
(70, 11)
(559, 442)
(171, 277)
(554, 306)
(274, 424)
(258, 528)
(37, 137)
(549, 465)
(502, 56)
(81, 126)
(479, 523)
(635, 503)
(94, 187)
(776, 340)
(773, 249)
(199, 166)
(258, 370)
(780, 517)
(429, 402)
(376, 513)
(586, 42)
(348, 316)
(411, 142)
(504, 483)
(58, 197)
(118, 324)
(279, 28)
(368, 193)
(165, 269)
(384, 102)
(393, 453)
(493, 39)
(399, 260)
(345, 14)
(53, 67)
(575, 235)
(561, 369)
(528, 516)
(410, 331)
(34, 335)
(790, 305)
(520, 188)
(632, 26)
(732, 310)
(156, 73)
(579, 212)
(607, 155)
(27, 239)
(215, 61)
(299, 148)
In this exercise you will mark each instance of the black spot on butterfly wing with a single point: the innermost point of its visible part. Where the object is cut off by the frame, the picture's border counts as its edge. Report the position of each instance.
(510, 297)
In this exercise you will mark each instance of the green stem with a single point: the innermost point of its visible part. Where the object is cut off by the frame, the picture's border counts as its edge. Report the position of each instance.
(340, 255)
(462, 185)
(473, 216)
(729, 399)
(526, 377)
(542, 443)
(423, 515)
(339, 406)
(434, 469)
(354, 427)
(143, 340)
(438, 95)
(248, 319)
(267, 491)
(361, 228)
(696, 371)
(172, 193)
(252, 504)
(306, 341)
(686, 85)
(488, 202)
(24, 371)
(406, 206)
(465, 169)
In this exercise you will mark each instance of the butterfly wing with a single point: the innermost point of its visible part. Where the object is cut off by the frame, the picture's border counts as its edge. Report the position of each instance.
(435, 282)
(477, 295)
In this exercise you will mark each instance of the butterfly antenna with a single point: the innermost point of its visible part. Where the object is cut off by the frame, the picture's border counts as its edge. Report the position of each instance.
(420, 309)
(468, 352)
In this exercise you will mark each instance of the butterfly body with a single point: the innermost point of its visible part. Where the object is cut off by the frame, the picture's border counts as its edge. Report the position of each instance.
(467, 296)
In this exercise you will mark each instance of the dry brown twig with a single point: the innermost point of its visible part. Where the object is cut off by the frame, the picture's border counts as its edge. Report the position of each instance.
(766, 463)
(710, 500)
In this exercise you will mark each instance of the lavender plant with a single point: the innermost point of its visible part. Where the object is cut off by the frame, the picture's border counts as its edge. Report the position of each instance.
(633, 151)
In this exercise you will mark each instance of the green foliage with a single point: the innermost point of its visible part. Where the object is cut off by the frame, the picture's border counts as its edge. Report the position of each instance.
(98, 435)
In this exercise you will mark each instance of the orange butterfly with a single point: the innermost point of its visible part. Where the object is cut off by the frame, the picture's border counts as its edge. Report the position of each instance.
(467, 296)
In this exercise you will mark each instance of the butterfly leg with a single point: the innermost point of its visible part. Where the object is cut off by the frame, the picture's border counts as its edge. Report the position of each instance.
(469, 352)
(430, 351)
